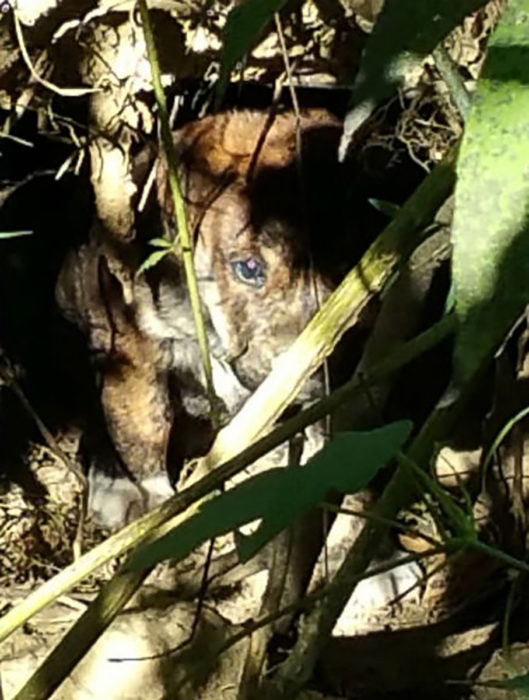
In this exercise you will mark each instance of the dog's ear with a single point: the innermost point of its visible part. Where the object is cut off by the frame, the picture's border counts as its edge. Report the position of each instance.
(79, 294)
(119, 313)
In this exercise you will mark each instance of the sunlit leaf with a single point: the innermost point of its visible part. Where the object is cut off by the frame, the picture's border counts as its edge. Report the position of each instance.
(160, 243)
(280, 496)
(491, 224)
(152, 260)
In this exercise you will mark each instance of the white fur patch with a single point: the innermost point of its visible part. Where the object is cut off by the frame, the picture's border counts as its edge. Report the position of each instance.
(114, 502)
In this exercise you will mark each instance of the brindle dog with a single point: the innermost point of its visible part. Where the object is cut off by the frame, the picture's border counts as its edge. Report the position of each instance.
(274, 230)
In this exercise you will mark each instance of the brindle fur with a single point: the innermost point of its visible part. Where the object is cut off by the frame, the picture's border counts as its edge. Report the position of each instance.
(294, 215)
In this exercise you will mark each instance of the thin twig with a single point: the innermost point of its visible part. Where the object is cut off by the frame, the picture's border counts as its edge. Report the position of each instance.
(301, 178)
(64, 92)
(274, 592)
(367, 515)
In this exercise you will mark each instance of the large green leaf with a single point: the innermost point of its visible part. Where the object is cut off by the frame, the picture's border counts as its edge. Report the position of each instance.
(406, 32)
(280, 496)
(244, 26)
(491, 224)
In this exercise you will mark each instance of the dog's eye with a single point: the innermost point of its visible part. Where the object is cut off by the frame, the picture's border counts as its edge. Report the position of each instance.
(252, 271)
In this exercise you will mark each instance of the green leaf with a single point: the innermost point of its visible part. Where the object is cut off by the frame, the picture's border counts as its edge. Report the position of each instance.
(14, 234)
(346, 464)
(244, 26)
(280, 496)
(490, 267)
(160, 243)
(152, 260)
(406, 32)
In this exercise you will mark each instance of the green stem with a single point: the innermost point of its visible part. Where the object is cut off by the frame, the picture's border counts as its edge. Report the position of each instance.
(450, 74)
(498, 554)
(179, 209)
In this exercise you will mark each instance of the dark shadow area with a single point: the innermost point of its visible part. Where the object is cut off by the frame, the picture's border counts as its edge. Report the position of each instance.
(49, 356)
(506, 64)
(436, 661)
(327, 211)
(411, 664)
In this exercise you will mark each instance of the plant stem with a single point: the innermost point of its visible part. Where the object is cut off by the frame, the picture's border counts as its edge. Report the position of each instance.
(179, 210)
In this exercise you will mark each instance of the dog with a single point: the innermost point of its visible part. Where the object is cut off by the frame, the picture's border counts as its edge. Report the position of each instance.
(276, 222)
